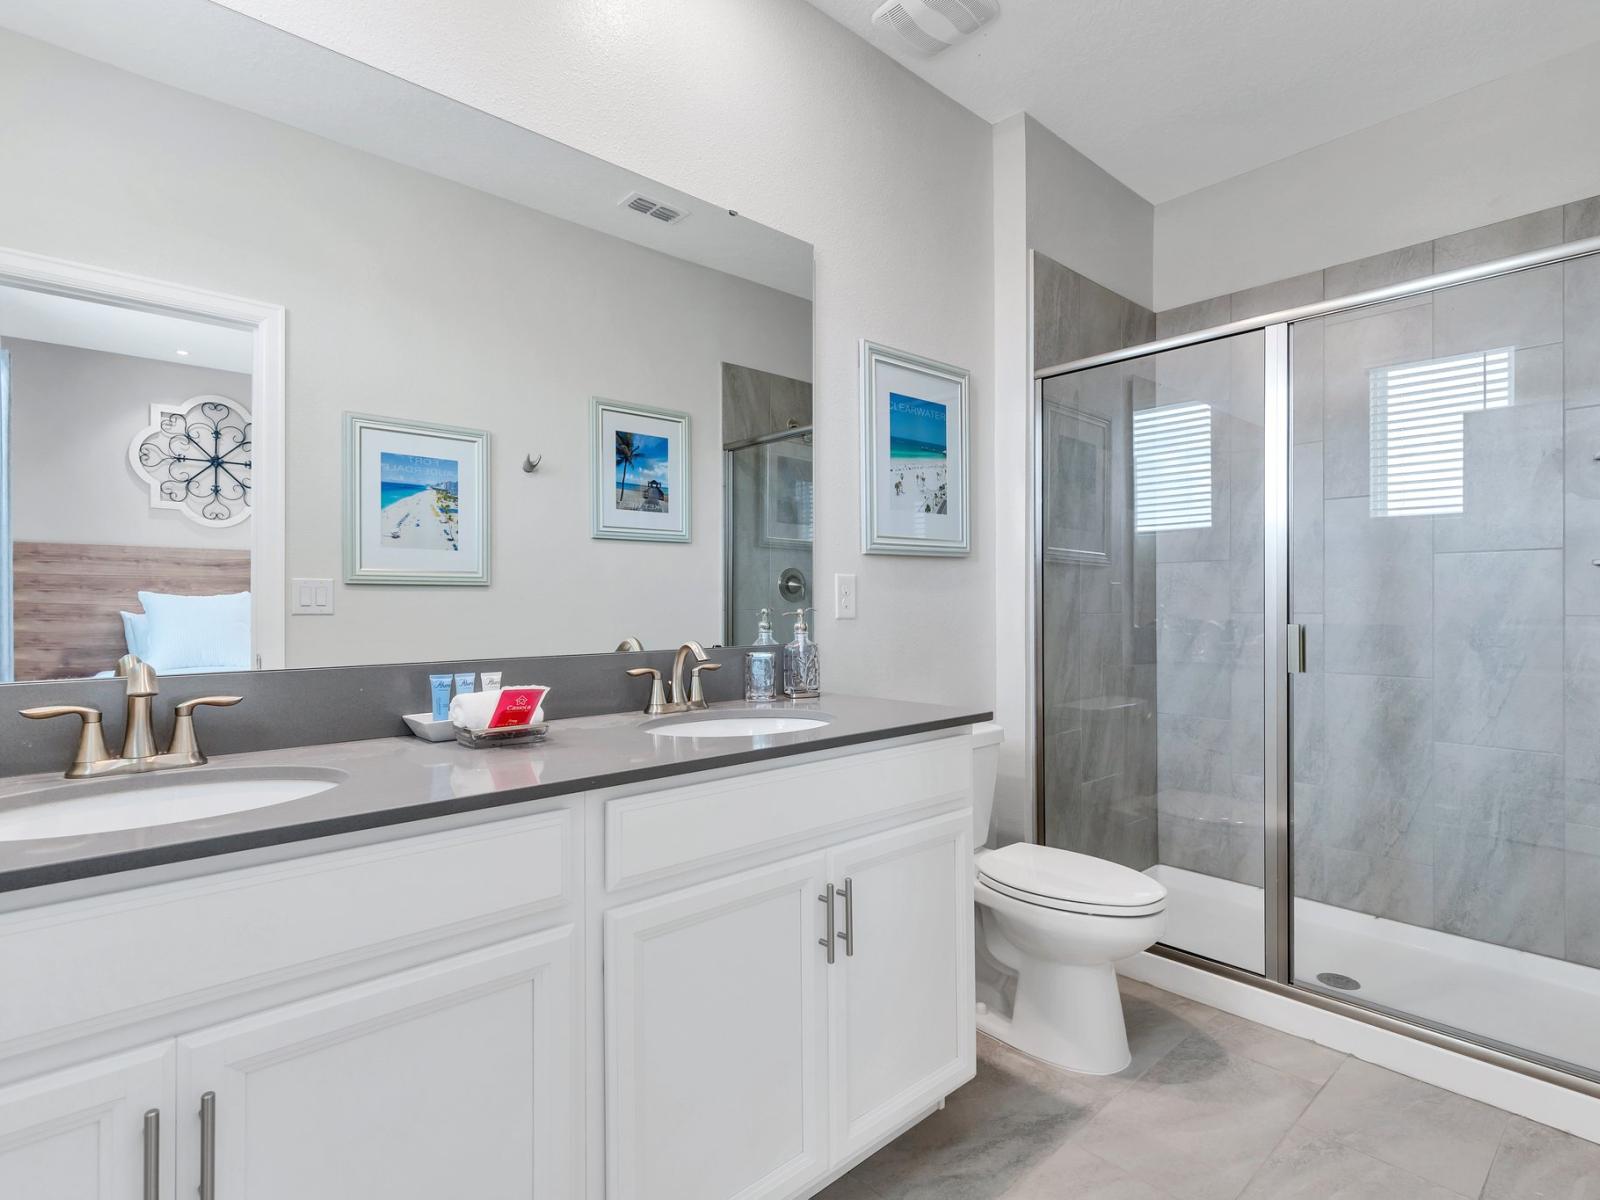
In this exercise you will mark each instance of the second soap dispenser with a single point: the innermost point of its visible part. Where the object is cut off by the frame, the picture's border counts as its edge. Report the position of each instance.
(761, 664)
(802, 668)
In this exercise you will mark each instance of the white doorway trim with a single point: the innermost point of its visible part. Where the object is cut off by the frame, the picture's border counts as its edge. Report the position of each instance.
(268, 587)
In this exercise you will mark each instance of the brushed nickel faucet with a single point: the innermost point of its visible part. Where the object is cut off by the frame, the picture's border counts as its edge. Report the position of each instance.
(663, 701)
(92, 759)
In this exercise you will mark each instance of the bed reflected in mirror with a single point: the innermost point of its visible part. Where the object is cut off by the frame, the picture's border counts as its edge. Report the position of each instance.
(128, 490)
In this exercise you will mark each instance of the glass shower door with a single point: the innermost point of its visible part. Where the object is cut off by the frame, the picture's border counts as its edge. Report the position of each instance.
(1152, 601)
(1445, 519)
(767, 530)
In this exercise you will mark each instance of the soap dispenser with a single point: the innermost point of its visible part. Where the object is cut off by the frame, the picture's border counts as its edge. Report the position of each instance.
(761, 663)
(802, 670)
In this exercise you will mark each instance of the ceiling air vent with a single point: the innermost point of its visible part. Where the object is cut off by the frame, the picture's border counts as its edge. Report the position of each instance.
(929, 26)
(654, 209)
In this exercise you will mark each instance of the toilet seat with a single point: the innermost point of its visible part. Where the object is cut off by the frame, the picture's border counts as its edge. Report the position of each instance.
(1060, 879)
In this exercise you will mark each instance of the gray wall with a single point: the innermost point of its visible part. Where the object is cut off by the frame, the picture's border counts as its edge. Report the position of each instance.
(1447, 738)
(73, 414)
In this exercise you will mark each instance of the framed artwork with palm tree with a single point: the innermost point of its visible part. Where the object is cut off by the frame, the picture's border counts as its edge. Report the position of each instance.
(641, 472)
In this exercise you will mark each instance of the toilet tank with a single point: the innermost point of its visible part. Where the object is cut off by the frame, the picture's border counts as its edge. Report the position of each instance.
(986, 739)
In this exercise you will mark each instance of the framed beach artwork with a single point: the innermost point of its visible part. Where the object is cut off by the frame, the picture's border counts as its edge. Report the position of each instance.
(786, 495)
(416, 502)
(914, 454)
(641, 473)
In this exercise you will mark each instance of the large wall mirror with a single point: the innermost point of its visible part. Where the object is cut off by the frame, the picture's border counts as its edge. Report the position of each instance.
(302, 365)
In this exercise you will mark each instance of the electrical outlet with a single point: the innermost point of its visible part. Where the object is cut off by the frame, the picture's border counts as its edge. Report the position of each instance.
(311, 597)
(844, 597)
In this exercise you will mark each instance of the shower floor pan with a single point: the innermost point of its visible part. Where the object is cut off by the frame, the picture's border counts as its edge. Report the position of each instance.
(1522, 1001)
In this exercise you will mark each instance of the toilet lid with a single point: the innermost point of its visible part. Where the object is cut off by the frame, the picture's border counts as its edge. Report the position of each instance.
(1054, 874)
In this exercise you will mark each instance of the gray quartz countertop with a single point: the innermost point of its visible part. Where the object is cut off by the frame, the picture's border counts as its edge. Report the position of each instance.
(390, 781)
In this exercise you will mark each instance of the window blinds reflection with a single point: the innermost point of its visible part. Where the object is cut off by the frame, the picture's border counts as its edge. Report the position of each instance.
(1419, 429)
(1172, 467)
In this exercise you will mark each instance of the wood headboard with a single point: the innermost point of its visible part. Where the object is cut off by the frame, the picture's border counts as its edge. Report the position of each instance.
(67, 598)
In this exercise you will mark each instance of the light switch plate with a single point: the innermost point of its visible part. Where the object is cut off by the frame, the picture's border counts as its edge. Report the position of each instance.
(311, 597)
(844, 597)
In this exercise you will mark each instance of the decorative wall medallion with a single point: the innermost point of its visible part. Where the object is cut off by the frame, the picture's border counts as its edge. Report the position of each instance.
(195, 457)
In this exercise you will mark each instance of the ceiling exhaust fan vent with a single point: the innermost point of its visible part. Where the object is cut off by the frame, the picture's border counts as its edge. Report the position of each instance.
(930, 26)
(654, 209)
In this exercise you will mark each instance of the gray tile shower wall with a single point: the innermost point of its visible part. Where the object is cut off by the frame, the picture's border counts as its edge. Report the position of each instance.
(330, 704)
(1074, 317)
(756, 402)
(1099, 616)
(1519, 235)
(1446, 739)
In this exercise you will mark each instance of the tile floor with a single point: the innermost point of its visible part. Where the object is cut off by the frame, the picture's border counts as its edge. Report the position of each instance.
(1218, 1108)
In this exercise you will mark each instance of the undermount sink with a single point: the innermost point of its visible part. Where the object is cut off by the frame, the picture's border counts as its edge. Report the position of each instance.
(141, 801)
(735, 725)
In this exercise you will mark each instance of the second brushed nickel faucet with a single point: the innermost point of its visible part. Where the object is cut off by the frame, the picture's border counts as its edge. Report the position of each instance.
(91, 758)
(672, 698)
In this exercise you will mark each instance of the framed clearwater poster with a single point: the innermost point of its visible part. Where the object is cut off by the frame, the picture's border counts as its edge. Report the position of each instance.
(640, 473)
(914, 454)
(416, 503)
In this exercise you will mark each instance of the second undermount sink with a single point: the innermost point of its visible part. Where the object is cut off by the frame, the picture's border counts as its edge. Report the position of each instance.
(165, 798)
(734, 724)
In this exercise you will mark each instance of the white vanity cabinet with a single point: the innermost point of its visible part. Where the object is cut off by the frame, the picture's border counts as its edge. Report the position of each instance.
(770, 1026)
(716, 1036)
(638, 994)
(901, 1029)
(450, 1079)
(91, 1132)
(397, 1019)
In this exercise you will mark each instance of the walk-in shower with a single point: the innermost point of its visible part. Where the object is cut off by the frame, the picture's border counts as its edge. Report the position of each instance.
(1319, 646)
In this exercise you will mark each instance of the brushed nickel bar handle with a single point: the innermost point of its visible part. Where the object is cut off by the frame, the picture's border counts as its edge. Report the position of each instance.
(826, 940)
(152, 1154)
(1295, 643)
(849, 934)
(208, 1146)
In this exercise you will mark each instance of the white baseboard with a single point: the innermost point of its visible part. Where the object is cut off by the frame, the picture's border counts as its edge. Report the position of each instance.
(1547, 1103)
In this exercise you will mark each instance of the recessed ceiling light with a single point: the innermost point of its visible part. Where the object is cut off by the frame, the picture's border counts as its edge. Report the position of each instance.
(183, 354)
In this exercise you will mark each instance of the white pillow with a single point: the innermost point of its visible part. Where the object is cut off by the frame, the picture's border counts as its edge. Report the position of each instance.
(135, 631)
(197, 632)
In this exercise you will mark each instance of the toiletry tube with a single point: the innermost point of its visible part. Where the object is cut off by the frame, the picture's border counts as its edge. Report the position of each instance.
(490, 681)
(464, 683)
(440, 687)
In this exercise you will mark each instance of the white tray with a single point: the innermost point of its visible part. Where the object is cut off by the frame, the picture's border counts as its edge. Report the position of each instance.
(429, 730)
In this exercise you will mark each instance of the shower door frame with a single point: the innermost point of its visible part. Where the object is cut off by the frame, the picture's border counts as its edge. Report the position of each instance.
(1282, 649)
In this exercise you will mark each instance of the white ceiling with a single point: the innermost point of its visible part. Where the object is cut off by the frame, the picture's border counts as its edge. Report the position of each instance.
(215, 52)
(89, 325)
(1170, 96)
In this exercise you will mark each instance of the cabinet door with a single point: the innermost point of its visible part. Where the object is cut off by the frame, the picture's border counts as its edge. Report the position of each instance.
(81, 1134)
(715, 1034)
(452, 1079)
(902, 1031)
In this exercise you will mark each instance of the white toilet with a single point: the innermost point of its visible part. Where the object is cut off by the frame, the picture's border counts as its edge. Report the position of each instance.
(1059, 920)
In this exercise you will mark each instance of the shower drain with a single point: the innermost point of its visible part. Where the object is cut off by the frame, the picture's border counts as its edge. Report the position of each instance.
(1343, 982)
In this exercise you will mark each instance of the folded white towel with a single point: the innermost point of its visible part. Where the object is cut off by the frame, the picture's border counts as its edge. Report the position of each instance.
(473, 710)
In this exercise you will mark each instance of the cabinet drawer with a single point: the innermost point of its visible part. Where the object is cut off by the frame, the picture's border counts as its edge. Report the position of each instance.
(89, 964)
(660, 833)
